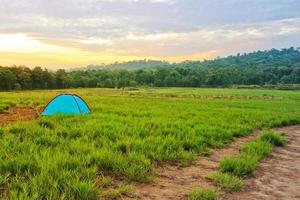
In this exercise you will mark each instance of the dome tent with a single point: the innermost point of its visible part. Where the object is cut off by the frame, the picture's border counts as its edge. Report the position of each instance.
(66, 104)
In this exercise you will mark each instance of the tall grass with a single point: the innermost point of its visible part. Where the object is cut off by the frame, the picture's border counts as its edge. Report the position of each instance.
(203, 194)
(127, 135)
(245, 163)
(5, 105)
(226, 182)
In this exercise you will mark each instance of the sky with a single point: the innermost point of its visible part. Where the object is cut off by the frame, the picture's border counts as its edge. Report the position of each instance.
(74, 33)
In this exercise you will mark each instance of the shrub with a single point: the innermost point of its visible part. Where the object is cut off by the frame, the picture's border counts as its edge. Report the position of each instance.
(239, 165)
(203, 194)
(227, 182)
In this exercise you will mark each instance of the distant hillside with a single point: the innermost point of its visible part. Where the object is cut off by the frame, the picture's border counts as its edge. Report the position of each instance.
(130, 65)
(272, 67)
(261, 59)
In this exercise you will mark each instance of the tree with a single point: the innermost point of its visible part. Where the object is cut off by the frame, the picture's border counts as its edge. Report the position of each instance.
(7, 79)
(37, 77)
(61, 78)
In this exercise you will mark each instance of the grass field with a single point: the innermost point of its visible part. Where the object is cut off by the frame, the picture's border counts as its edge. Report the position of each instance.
(128, 134)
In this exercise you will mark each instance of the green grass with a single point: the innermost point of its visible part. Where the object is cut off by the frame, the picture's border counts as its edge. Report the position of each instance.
(274, 138)
(5, 105)
(259, 148)
(245, 163)
(127, 135)
(226, 182)
(118, 192)
(105, 181)
(203, 194)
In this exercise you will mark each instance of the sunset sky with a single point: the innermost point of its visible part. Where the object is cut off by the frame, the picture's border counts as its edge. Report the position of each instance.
(73, 33)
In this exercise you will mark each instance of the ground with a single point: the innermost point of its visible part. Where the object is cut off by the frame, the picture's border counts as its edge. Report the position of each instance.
(278, 176)
(161, 142)
(17, 113)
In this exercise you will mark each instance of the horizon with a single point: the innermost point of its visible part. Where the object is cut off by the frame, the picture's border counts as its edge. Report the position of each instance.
(71, 34)
(146, 60)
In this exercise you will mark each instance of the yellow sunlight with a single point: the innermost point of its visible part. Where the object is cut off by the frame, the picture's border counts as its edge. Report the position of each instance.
(20, 49)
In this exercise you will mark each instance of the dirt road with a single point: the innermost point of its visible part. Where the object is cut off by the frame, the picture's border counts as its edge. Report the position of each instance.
(277, 177)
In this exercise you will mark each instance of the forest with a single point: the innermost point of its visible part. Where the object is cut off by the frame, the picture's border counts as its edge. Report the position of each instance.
(270, 67)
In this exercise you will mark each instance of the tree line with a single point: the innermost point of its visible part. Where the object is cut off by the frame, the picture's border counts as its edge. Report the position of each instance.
(257, 68)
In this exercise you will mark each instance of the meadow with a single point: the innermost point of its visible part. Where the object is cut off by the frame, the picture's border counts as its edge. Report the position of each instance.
(129, 133)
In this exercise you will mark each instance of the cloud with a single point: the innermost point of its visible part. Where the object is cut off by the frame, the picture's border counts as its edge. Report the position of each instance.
(170, 29)
(96, 41)
(152, 37)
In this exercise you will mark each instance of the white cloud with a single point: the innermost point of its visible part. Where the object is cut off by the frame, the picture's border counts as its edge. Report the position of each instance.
(152, 37)
(150, 27)
(22, 43)
(96, 41)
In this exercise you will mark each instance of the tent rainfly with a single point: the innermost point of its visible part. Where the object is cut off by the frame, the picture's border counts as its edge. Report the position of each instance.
(66, 104)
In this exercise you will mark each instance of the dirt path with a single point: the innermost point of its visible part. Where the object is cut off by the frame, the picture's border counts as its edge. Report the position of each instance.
(17, 113)
(174, 182)
(278, 176)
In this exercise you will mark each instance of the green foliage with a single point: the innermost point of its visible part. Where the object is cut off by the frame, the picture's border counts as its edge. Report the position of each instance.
(7, 79)
(203, 194)
(272, 67)
(226, 182)
(273, 138)
(128, 133)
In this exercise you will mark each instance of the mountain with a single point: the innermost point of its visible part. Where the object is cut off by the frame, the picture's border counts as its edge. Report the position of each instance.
(130, 65)
(271, 67)
(262, 59)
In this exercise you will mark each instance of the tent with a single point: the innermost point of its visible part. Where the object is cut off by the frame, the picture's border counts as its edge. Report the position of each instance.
(66, 104)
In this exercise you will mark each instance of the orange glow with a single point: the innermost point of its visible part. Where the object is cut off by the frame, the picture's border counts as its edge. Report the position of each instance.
(20, 49)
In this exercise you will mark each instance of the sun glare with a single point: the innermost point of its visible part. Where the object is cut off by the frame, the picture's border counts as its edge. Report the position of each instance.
(19, 42)
(21, 49)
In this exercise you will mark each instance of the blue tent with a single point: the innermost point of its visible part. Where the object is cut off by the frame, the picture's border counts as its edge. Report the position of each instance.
(66, 104)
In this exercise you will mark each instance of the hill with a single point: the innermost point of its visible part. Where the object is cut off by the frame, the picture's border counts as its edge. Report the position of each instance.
(258, 68)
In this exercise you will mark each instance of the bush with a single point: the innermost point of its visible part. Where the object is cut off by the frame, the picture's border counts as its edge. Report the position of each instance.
(203, 194)
(239, 165)
(227, 182)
